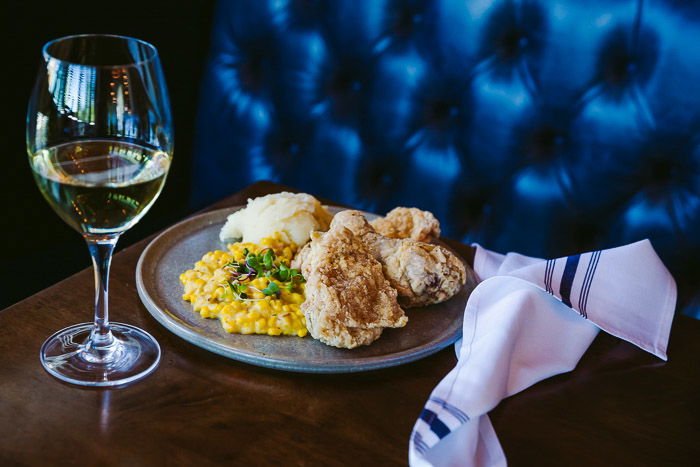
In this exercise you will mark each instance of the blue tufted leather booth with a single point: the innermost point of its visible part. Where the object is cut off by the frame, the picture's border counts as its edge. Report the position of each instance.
(546, 126)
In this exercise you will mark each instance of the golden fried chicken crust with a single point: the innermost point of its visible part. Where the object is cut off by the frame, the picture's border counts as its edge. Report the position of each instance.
(348, 300)
(422, 273)
(412, 223)
(301, 257)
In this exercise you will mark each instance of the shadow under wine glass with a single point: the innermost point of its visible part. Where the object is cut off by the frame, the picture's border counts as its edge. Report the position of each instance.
(100, 143)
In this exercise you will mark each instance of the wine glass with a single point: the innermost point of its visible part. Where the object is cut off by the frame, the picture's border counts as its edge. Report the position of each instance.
(100, 143)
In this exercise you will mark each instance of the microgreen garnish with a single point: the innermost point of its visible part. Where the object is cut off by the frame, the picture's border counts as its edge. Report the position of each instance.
(268, 257)
(238, 290)
(272, 288)
(253, 262)
(261, 265)
(284, 273)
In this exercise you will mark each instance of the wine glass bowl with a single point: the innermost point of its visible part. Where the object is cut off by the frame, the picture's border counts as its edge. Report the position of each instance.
(100, 143)
(100, 186)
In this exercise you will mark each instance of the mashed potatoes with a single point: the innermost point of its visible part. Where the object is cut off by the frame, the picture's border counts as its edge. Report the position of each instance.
(296, 215)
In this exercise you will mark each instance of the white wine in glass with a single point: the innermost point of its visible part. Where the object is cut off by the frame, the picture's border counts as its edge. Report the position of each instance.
(100, 143)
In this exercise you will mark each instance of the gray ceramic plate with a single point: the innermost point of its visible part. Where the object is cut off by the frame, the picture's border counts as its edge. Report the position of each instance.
(429, 329)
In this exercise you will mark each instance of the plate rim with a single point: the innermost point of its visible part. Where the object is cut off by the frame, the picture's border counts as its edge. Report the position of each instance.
(173, 324)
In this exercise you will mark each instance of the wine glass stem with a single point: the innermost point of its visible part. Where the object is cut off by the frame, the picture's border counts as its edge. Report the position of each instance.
(101, 341)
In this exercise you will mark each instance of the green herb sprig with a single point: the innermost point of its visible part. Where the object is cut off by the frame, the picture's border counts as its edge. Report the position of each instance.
(261, 265)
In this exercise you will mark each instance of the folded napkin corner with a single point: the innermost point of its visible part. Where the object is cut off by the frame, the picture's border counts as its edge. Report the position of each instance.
(529, 319)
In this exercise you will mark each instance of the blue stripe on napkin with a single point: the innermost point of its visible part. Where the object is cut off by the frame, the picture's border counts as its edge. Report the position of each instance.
(451, 409)
(567, 279)
(587, 280)
(436, 425)
(421, 445)
(549, 274)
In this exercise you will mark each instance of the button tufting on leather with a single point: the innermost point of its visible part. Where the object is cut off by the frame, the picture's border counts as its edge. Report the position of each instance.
(514, 29)
(344, 81)
(543, 135)
(474, 202)
(252, 73)
(344, 88)
(440, 112)
(627, 55)
(667, 164)
(442, 104)
(510, 43)
(544, 143)
(404, 20)
(284, 150)
(542, 126)
(379, 180)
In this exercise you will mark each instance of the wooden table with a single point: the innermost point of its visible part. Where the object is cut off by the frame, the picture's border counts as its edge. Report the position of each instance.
(621, 406)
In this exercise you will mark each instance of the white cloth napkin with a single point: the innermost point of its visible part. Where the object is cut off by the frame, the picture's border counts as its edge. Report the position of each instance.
(530, 319)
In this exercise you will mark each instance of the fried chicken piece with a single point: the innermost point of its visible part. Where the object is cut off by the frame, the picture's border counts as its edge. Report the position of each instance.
(422, 273)
(412, 223)
(302, 255)
(348, 300)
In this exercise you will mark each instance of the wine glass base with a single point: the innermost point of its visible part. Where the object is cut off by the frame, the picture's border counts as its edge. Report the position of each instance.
(135, 354)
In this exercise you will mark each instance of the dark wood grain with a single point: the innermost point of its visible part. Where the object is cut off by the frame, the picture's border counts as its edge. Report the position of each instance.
(621, 406)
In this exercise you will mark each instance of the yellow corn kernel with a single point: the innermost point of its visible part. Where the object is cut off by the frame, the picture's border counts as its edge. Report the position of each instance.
(296, 298)
(227, 325)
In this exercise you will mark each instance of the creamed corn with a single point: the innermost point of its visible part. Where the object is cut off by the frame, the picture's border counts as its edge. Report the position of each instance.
(207, 290)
